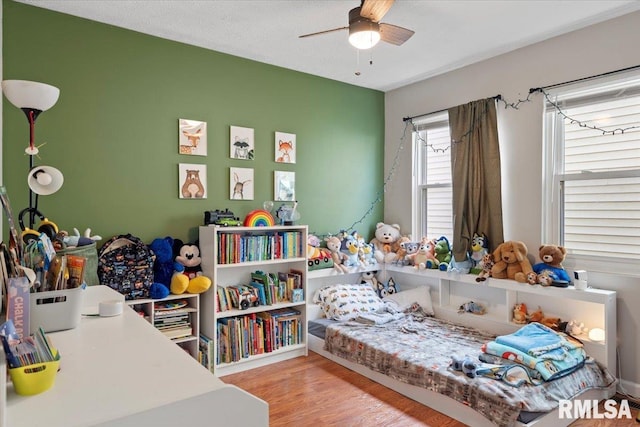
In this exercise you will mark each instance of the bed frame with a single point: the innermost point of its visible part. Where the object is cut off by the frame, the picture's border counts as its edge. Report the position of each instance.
(436, 401)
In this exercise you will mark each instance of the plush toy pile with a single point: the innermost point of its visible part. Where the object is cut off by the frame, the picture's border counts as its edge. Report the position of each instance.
(176, 268)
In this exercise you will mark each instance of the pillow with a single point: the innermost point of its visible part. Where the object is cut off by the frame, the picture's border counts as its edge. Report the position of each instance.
(346, 302)
(404, 299)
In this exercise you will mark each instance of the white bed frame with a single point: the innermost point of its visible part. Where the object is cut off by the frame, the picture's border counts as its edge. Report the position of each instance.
(436, 401)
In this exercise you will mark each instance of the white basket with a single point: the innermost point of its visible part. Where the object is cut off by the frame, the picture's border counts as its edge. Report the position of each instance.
(55, 310)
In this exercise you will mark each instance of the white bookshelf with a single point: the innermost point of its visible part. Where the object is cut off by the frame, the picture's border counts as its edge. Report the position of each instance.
(227, 272)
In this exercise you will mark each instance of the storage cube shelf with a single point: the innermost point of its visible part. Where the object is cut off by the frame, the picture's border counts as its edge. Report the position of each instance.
(254, 314)
(176, 316)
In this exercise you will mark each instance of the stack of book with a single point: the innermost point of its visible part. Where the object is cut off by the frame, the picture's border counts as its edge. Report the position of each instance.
(174, 323)
(256, 333)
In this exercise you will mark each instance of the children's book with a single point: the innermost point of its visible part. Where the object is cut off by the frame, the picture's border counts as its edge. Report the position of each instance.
(18, 304)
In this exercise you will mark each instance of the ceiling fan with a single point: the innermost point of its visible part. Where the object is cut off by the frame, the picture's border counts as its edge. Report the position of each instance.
(365, 28)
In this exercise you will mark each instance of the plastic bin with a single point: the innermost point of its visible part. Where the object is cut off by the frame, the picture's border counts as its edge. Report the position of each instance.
(55, 310)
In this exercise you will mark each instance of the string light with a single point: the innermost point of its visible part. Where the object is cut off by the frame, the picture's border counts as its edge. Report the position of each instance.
(580, 123)
(515, 105)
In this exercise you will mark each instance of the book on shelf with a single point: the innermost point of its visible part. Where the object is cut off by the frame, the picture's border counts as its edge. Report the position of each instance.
(244, 336)
(205, 352)
(177, 332)
(235, 247)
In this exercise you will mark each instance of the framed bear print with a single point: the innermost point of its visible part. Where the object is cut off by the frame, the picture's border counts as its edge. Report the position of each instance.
(192, 181)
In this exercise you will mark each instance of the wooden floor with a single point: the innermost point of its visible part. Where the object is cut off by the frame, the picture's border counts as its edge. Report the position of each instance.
(314, 391)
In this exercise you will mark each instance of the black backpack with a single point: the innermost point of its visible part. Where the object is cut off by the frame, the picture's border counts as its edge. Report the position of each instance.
(125, 264)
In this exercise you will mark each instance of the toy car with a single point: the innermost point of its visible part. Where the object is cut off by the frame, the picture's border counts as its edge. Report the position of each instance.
(248, 298)
(228, 222)
(224, 218)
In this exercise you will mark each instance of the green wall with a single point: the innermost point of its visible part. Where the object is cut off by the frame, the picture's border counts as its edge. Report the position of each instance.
(114, 131)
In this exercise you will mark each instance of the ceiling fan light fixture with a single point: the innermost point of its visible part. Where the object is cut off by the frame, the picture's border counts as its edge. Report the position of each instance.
(364, 34)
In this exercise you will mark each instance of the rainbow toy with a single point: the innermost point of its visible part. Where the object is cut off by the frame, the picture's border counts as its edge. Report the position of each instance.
(259, 218)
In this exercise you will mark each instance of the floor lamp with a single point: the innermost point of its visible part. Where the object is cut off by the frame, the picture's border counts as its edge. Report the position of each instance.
(33, 98)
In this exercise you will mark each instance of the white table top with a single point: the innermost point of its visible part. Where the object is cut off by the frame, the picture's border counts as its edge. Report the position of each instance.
(111, 367)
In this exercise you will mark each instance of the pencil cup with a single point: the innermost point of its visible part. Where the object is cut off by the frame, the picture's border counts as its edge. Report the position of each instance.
(34, 379)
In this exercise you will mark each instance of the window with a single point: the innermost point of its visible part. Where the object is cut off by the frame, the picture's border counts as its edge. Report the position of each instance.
(432, 214)
(592, 177)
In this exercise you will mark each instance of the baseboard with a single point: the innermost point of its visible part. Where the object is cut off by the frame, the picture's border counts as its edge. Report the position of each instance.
(629, 388)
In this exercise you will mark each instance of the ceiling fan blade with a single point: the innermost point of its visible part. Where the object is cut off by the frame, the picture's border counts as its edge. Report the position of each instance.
(394, 34)
(375, 9)
(322, 32)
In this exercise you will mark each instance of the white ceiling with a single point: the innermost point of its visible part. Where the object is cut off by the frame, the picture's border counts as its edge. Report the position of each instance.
(448, 34)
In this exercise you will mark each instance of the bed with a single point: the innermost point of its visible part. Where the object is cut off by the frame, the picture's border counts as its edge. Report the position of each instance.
(411, 353)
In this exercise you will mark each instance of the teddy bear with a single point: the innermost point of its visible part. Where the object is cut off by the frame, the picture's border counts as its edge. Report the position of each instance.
(520, 313)
(385, 242)
(333, 244)
(551, 257)
(425, 257)
(511, 261)
(443, 253)
(190, 279)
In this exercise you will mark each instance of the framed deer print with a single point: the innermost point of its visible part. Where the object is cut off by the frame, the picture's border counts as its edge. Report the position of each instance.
(285, 147)
(192, 181)
(241, 183)
(284, 186)
(241, 143)
(192, 137)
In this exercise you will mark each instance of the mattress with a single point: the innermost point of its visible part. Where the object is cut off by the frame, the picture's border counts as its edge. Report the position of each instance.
(420, 352)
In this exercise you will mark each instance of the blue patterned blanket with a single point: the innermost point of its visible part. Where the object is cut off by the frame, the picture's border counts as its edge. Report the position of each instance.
(418, 350)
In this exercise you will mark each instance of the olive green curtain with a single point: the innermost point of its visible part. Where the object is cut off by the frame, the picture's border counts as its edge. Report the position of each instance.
(475, 171)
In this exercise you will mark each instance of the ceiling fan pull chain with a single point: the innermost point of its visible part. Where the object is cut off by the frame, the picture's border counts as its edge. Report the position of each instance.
(357, 62)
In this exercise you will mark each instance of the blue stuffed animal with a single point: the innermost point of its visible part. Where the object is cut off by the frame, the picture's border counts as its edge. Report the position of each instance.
(349, 247)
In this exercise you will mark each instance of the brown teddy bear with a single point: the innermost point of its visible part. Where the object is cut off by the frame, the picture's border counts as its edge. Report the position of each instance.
(511, 261)
(551, 269)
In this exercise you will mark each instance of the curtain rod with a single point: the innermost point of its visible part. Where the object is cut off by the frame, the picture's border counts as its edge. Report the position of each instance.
(608, 73)
(406, 119)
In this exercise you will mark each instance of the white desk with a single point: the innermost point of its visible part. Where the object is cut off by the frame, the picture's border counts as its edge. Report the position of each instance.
(121, 371)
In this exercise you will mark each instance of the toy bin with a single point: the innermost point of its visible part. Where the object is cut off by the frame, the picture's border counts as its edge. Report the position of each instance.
(55, 310)
(33, 379)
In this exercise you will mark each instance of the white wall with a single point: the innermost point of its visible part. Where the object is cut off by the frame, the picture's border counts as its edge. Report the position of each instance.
(604, 47)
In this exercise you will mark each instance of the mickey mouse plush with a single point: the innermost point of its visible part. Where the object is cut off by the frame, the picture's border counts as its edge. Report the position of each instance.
(190, 279)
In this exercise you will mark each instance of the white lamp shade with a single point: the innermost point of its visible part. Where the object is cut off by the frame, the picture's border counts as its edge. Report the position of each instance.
(45, 180)
(32, 95)
(364, 34)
